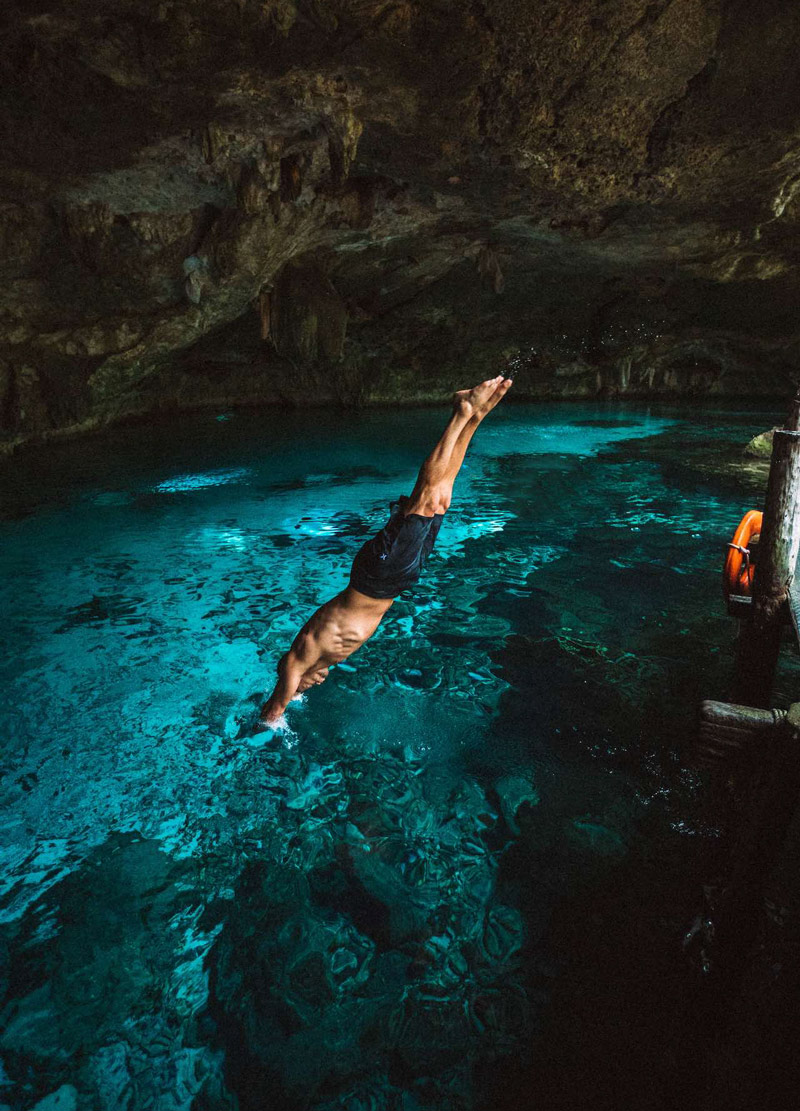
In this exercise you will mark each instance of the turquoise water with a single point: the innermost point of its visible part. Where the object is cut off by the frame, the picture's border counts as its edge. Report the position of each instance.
(430, 889)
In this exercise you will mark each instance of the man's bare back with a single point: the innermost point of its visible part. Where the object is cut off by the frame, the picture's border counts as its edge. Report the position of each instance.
(386, 565)
(331, 635)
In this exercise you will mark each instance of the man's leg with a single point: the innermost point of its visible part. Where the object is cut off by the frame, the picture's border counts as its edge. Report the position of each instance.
(434, 486)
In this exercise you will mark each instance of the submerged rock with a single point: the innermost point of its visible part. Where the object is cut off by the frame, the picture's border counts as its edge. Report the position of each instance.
(114, 989)
(64, 1098)
(515, 792)
(381, 942)
(597, 837)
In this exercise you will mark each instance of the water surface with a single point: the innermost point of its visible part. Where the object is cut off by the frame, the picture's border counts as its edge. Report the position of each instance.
(472, 844)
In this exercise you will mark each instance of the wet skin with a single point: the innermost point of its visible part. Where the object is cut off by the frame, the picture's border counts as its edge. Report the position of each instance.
(345, 622)
(332, 634)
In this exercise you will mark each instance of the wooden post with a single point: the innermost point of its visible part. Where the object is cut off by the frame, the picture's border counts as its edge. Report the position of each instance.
(728, 733)
(758, 836)
(758, 748)
(760, 636)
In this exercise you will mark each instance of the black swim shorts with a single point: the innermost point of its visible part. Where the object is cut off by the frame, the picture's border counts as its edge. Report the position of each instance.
(393, 559)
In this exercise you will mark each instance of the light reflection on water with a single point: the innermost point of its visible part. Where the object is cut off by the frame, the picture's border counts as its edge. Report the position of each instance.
(187, 482)
(360, 905)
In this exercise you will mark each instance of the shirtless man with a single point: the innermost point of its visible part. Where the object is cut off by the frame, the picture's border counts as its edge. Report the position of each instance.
(386, 565)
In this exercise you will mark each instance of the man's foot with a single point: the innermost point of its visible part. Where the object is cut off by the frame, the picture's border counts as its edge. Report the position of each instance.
(495, 397)
(480, 400)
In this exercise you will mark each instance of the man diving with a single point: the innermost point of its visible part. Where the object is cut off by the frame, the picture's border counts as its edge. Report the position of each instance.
(386, 565)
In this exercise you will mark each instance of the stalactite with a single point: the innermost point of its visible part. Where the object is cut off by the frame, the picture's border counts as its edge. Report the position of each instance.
(291, 178)
(489, 268)
(264, 312)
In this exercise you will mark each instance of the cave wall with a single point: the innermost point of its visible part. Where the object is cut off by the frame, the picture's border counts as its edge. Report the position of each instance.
(208, 202)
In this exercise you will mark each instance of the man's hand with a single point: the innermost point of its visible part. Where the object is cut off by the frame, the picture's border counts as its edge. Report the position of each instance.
(270, 714)
(290, 672)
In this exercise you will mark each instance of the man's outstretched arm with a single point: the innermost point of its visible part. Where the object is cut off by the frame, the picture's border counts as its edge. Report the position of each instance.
(291, 670)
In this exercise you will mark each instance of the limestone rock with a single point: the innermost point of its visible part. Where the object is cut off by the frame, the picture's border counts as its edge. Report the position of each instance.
(760, 447)
(308, 317)
(626, 175)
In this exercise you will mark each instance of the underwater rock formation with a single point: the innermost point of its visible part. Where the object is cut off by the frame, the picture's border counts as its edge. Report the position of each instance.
(603, 198)
(94, 1012)
(367, 945)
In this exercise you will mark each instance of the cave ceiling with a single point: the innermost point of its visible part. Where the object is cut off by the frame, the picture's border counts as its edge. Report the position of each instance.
(216, 202)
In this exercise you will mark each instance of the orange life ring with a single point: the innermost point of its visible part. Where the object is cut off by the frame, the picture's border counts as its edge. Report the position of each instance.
(738, 574)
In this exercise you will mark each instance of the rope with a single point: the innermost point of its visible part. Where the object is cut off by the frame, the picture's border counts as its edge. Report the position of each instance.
(746, 553)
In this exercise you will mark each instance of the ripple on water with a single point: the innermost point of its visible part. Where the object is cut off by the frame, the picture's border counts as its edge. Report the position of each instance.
(350, 911)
